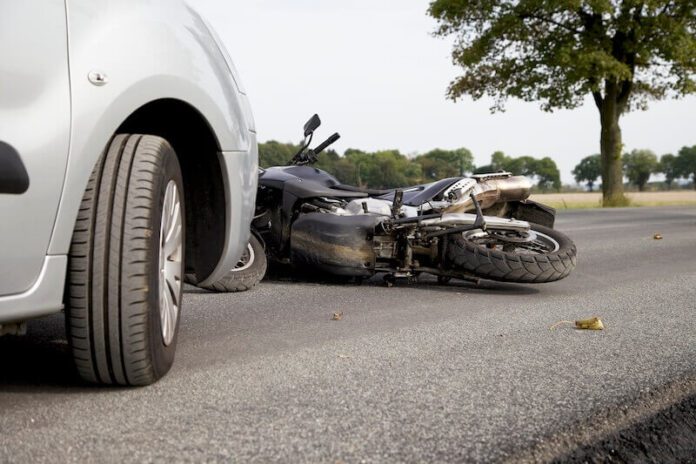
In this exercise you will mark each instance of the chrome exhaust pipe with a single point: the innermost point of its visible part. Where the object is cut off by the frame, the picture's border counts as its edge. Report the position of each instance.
(493, 191)
(466, 219)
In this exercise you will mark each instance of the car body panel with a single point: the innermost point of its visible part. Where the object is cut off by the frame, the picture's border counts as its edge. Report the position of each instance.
(111, 37)
(145, 51)
(35, 122)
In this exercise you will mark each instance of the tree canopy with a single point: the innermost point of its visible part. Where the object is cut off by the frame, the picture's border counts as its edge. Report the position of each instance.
(588, 170)
(389, 168)
(559, 52)
(440, 164)
(668, 166)
(544, 170)
(640, 165)
(686, 163)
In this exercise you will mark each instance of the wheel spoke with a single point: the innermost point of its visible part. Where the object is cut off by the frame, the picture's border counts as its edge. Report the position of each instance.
(173, 279)
(172, 247)
(165, 314)
(166, 217)
(171, 312)
(174, 224)
(534, 243)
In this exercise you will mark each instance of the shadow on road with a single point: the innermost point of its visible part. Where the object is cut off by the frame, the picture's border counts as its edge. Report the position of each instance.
(425, 282)
(39, 361)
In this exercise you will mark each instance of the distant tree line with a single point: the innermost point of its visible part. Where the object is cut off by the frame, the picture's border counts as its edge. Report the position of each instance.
(390, 168)
(639, 165)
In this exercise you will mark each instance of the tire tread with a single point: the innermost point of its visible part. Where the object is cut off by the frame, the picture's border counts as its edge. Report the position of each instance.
(109, 266)
(471, 258)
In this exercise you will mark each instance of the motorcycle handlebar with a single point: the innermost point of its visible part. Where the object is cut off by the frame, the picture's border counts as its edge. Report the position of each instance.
(328, 142)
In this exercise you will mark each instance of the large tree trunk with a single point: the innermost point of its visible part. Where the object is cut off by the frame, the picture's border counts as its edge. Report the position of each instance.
(611, 147)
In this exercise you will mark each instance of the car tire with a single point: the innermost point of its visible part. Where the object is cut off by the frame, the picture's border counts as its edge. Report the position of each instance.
(126, 264)
(249, 271)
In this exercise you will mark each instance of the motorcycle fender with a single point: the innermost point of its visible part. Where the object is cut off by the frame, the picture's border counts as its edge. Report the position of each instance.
(340, 245)
(531, 211)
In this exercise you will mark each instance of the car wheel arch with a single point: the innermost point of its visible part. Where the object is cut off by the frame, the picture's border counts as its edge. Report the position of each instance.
(198, 149)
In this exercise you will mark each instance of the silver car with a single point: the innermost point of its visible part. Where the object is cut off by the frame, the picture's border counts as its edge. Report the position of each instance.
(128, 159)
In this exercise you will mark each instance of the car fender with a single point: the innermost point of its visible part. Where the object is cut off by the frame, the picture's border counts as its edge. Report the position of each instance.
(126, 53)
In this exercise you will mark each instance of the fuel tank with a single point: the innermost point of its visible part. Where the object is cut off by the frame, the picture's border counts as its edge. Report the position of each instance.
(305, 182)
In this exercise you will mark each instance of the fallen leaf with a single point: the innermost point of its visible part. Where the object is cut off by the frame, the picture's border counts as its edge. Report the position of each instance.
(657, 236)
(590, 324)
(594, 323)
(337, 316)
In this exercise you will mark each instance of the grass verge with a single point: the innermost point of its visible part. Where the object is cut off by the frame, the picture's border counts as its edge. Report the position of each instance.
(637, 199)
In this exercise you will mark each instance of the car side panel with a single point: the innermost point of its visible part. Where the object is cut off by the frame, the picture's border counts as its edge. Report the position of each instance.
(147, 51)
(35, 125)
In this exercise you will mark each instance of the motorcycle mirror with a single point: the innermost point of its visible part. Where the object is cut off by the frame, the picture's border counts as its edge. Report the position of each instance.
(312, 125)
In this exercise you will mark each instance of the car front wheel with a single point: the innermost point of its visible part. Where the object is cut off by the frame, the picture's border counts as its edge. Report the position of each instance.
(126, 264)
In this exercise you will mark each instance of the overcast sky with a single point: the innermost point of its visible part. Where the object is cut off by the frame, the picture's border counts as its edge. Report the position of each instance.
(374, 72)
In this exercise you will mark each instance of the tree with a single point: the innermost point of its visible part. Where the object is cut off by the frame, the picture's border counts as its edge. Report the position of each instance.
(686, 163)
(548, 175)
(391, 169)
(274, 153)
(327, 160)
(639, 165)
(588, 170)
(486, 169)
(440, 164)
(668, 167)
(545, 169)
(621, 52)
(382, 169)
(522, 166)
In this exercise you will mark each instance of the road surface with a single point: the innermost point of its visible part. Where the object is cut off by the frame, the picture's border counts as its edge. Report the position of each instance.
(411, 373)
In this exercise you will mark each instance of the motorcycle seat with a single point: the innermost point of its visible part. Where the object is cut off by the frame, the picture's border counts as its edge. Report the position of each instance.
(371, 192)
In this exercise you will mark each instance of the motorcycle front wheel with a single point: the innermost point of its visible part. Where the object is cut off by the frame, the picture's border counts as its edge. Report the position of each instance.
(538, 256)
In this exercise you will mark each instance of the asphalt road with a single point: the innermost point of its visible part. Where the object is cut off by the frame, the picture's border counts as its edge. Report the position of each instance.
(412, 373)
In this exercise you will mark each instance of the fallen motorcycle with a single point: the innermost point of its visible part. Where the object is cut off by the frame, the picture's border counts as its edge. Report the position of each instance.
(471, 228)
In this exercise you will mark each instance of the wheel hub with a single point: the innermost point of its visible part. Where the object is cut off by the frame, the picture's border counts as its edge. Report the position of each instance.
(170, 262)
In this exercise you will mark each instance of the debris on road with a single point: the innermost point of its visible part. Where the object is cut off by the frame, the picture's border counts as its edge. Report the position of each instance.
(594, 323)
(337, 316)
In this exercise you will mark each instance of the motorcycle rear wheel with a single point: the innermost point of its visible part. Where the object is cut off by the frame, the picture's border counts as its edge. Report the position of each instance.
(549, 255)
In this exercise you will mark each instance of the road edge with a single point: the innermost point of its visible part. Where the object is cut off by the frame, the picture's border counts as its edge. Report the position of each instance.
(596, 436)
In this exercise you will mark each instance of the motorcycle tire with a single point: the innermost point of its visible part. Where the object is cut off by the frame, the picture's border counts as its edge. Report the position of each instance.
(249, 271)
(493, 263)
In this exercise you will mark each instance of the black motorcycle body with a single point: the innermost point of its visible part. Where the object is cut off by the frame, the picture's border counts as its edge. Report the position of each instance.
(307, 219)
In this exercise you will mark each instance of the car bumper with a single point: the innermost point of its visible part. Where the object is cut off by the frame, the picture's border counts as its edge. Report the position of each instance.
(240, 171)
